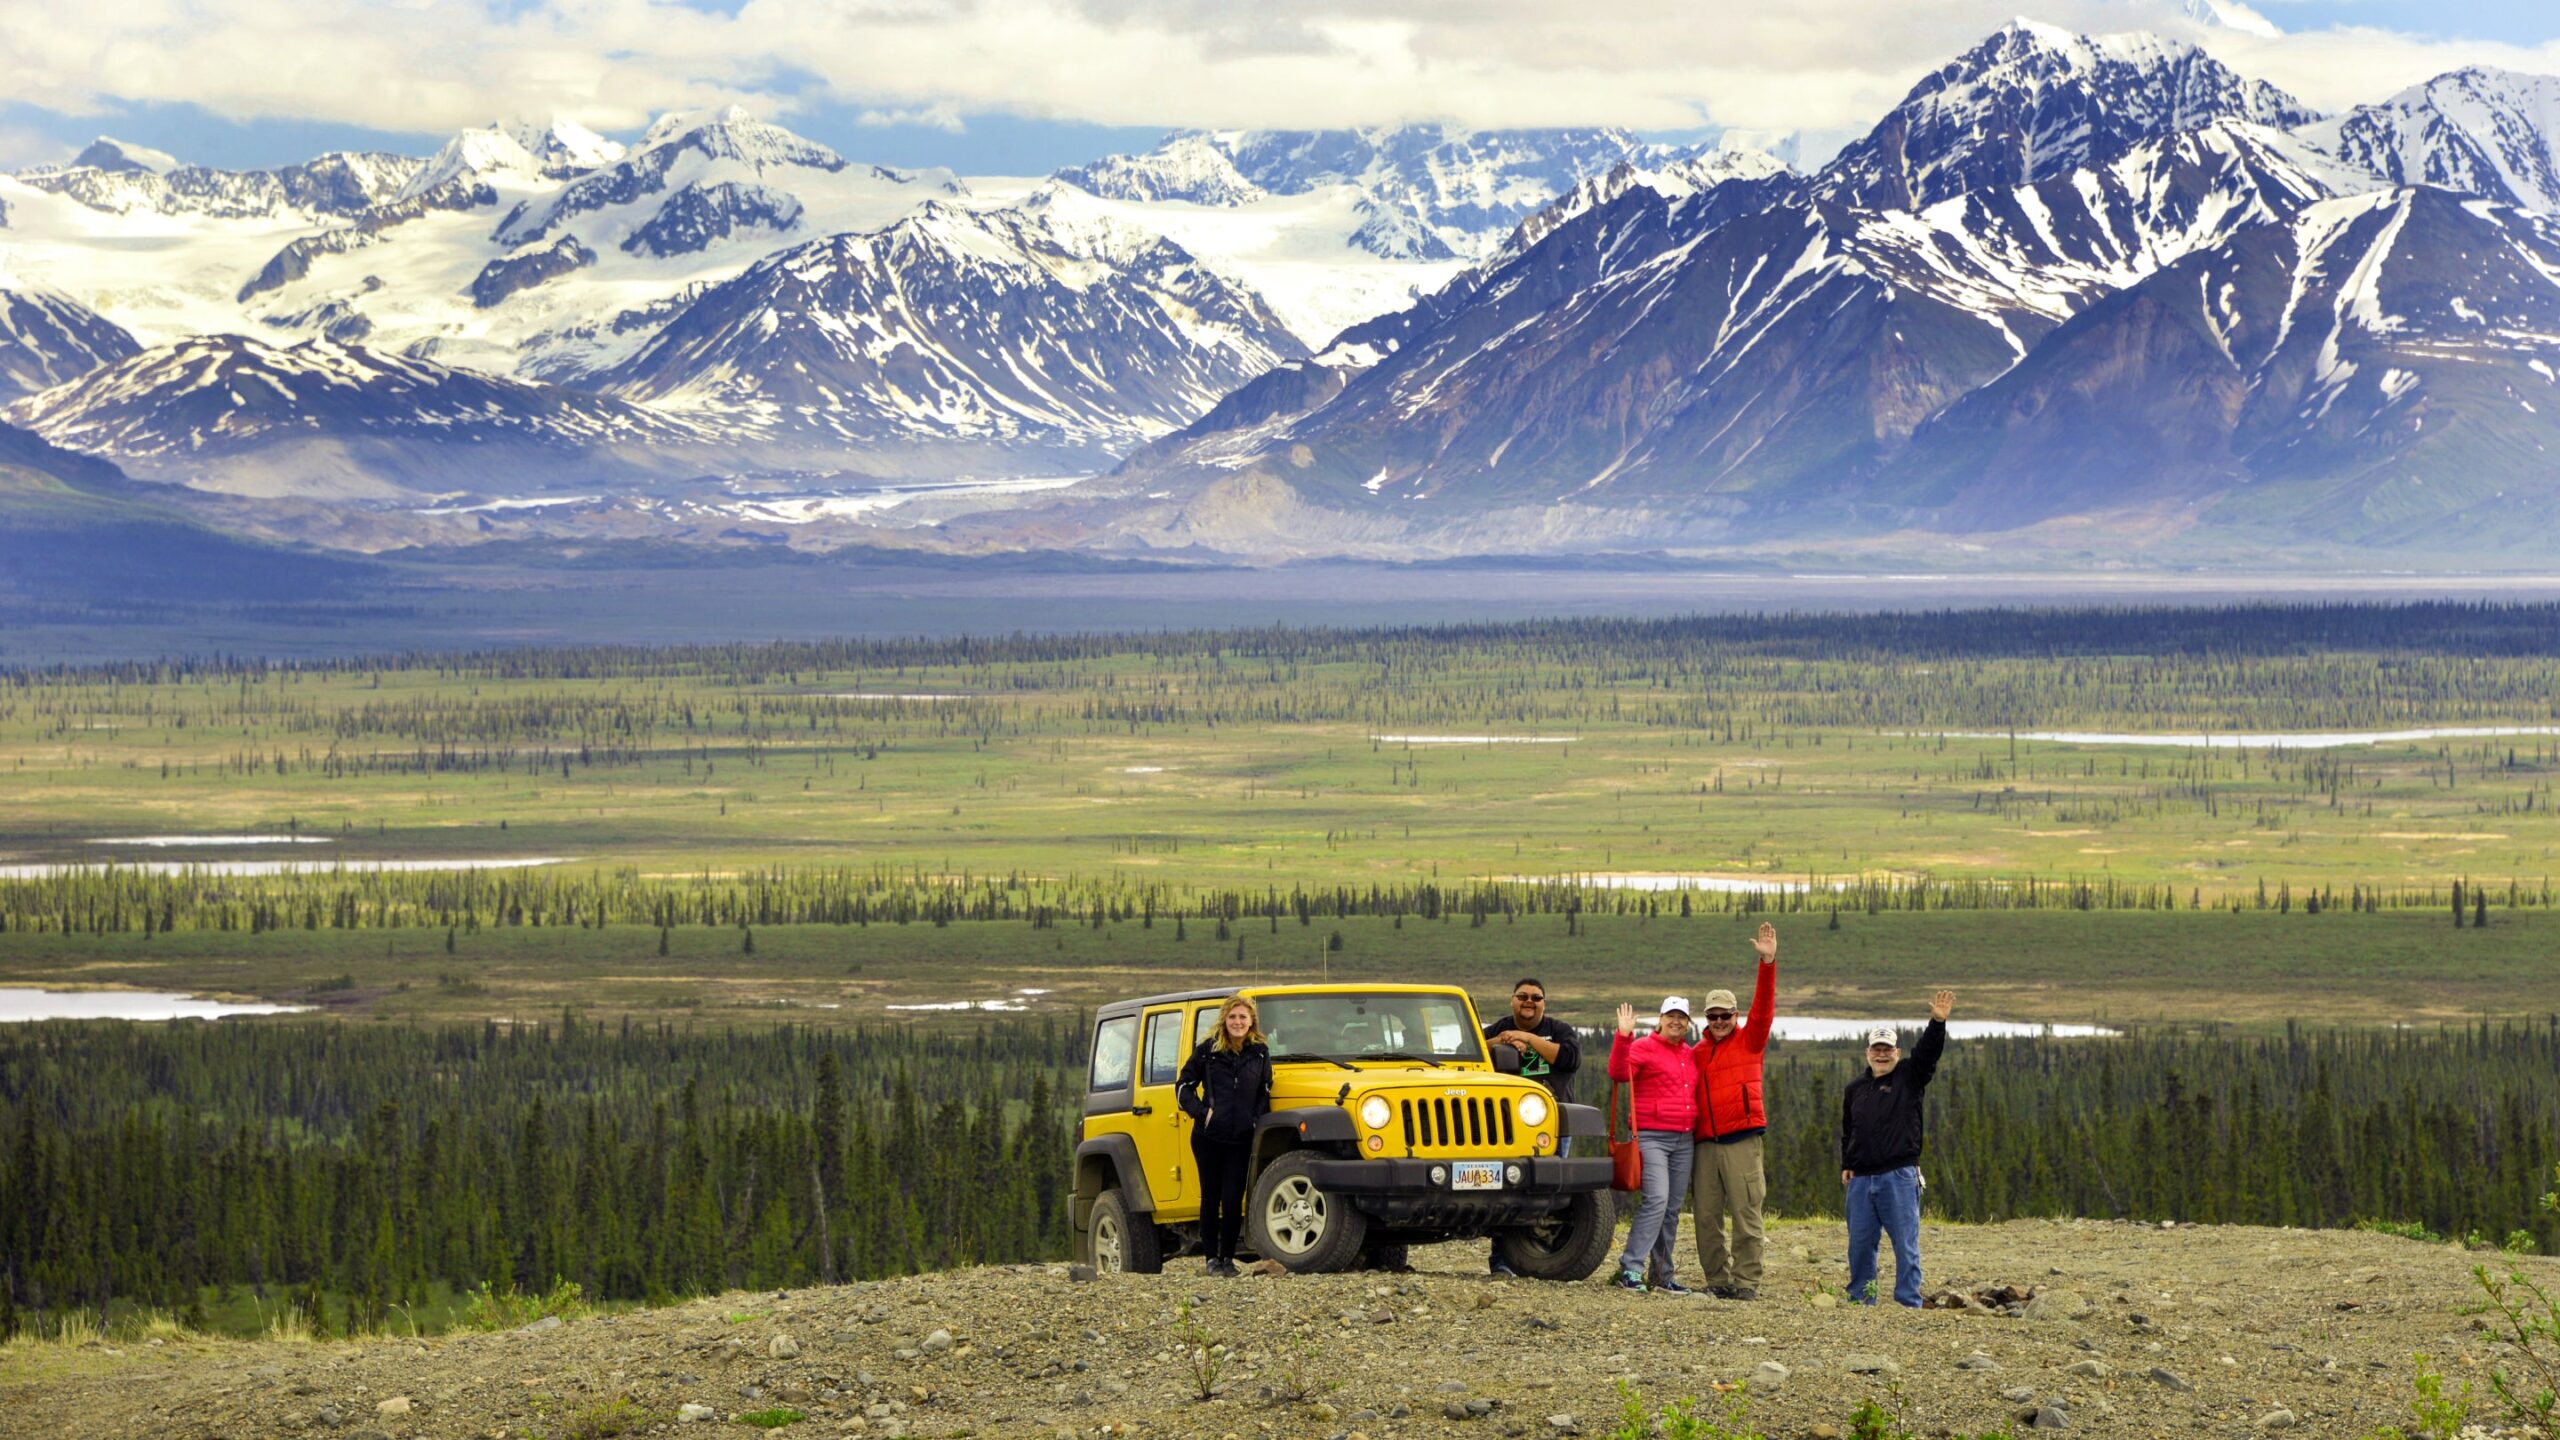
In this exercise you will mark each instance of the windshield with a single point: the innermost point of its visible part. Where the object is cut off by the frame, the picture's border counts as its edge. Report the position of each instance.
(1350, 1024)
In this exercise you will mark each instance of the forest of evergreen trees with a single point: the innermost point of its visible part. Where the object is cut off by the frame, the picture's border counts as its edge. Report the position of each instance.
(359, 1165)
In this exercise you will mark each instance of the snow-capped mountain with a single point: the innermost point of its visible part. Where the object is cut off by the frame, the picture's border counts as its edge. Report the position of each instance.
(1049, 326)
(2382, 370)
(1750, 348)
(2034, 101)
(558, 149)
(684, 154)
(2479, 131)
(122, 179)
(47, 339)
(229, 413)
(1425, 192)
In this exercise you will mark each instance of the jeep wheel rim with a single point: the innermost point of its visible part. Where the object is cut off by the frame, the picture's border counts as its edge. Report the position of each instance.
(1107, 1251)
(1295, 1215)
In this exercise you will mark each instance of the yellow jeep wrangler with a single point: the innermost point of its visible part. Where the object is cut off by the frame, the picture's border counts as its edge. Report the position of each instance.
(1391, 1124)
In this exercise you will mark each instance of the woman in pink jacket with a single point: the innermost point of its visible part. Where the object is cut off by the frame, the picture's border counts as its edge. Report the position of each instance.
(1665, 1083)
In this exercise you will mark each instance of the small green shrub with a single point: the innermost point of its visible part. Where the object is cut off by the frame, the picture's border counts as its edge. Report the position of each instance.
(510, 1309)
(772, 1418)
(2405, 1229)
(2437, 1415)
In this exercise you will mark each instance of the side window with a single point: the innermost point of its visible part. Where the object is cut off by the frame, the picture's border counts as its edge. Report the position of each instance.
(1204, 1023)
(1115, 1044)
(1165, 1050)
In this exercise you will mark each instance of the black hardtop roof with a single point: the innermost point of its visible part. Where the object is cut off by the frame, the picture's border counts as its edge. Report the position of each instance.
(1118, 1008)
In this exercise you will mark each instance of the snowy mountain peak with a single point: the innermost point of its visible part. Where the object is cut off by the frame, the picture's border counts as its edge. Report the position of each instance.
(526, 150)
(111, 154)
(1422, 192)
(1187, 167)
(2230, 15)
(2032, 101)
(2481, 131)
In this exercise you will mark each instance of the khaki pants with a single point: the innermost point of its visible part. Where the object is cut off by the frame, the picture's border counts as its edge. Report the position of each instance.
(1726, 1179)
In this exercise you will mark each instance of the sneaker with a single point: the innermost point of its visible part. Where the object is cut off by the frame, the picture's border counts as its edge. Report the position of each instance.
(1671, 1287)
(1212, 1266)
(1629, 1280)
(1733, 1292)
(1502, 1269)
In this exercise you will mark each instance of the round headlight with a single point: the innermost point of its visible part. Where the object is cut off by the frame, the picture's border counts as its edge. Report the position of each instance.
(1374, 1112)
(1533, 1109)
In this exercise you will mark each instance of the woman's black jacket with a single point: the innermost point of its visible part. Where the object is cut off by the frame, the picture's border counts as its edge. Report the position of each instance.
(1225, 1091)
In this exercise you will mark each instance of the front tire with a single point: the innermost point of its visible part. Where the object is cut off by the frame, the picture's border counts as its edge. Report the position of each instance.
(1301, 1225)
(1115, 1241)
(1569, 1245)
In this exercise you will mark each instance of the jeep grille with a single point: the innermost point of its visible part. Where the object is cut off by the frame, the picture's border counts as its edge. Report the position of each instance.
(1465, 1122)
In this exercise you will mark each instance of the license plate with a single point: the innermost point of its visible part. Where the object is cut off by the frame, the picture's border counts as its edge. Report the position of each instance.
(1476, 1175)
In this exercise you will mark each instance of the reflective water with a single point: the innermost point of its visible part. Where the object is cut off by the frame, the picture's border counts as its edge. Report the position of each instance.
(48, 869)
(29, 1004)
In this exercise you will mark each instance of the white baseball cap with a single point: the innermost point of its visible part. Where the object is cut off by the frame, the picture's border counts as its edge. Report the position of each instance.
(1884, 1035)
(1675, 1002)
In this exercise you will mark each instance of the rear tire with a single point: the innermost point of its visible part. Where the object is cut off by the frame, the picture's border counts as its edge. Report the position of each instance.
(1569, 1245)
(1115, 1240)
(1301, 1225)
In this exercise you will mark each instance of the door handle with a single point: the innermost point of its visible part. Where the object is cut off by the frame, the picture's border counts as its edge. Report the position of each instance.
(1142, 1109)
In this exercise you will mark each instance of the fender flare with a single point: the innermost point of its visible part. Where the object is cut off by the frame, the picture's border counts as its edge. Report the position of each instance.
(1576, 1120)
(1117, 1156)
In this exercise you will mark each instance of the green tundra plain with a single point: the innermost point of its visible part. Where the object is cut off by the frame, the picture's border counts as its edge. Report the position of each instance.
(824, 831)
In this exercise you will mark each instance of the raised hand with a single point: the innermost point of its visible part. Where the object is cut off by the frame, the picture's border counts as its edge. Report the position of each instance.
(1942, 1004)
(1626, 1019)
(1765, 944)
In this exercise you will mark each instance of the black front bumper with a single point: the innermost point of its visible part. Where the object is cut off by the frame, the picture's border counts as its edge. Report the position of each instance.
(1400, 1192)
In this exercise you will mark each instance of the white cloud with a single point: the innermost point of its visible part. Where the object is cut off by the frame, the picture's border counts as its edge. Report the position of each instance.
(1814, 65)
(21, 147)
(940, 115)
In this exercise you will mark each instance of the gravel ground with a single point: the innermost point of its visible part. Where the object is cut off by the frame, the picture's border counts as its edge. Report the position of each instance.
(2138, 1331)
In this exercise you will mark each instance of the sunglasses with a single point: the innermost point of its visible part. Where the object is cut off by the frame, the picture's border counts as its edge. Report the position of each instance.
(1530, 996)
(1719, 1017)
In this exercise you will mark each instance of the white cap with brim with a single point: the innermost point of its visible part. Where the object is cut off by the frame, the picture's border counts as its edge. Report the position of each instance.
(1884, 1035)
(1679, 1003)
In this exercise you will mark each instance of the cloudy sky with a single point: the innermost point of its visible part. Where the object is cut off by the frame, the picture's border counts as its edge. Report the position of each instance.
(1022, 86)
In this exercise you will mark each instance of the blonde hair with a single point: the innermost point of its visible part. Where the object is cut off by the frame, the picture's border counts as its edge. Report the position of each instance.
(1252, 1029)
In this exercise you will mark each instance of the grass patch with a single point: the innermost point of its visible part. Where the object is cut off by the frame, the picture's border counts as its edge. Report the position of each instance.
(771, 1418)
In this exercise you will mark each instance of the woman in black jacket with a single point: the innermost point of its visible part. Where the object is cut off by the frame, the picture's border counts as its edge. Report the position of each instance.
(1225, 1087)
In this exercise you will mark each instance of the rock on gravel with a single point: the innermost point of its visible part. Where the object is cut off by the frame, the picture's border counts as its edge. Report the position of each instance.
(2057, 1305)
(1861, 1363)
(1768, 1377)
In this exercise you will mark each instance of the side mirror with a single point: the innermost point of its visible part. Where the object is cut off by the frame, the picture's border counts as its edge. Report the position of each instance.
(1506, 1060)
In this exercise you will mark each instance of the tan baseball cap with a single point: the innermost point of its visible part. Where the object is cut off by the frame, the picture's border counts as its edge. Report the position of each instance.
(1884, 1035)
(1721, 1000)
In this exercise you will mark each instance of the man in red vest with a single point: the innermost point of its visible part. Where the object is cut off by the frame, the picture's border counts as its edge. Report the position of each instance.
(1725, 1177)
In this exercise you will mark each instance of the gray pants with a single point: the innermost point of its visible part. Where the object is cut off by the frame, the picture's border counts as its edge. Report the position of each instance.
(1667, 1155)
(1726, 1180)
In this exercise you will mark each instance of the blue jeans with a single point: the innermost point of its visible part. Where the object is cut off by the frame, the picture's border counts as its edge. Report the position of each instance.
(1889, 1203)
(1667, 1156)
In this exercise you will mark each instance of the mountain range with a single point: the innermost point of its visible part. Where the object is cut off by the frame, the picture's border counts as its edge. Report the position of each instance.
(2071, 287)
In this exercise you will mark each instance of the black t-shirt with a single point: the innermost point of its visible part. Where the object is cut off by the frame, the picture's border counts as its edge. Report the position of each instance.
(1556, 1074)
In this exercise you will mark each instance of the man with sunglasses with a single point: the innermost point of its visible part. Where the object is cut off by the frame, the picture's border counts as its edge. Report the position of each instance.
(1550, 1053)
(1725, 1176)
